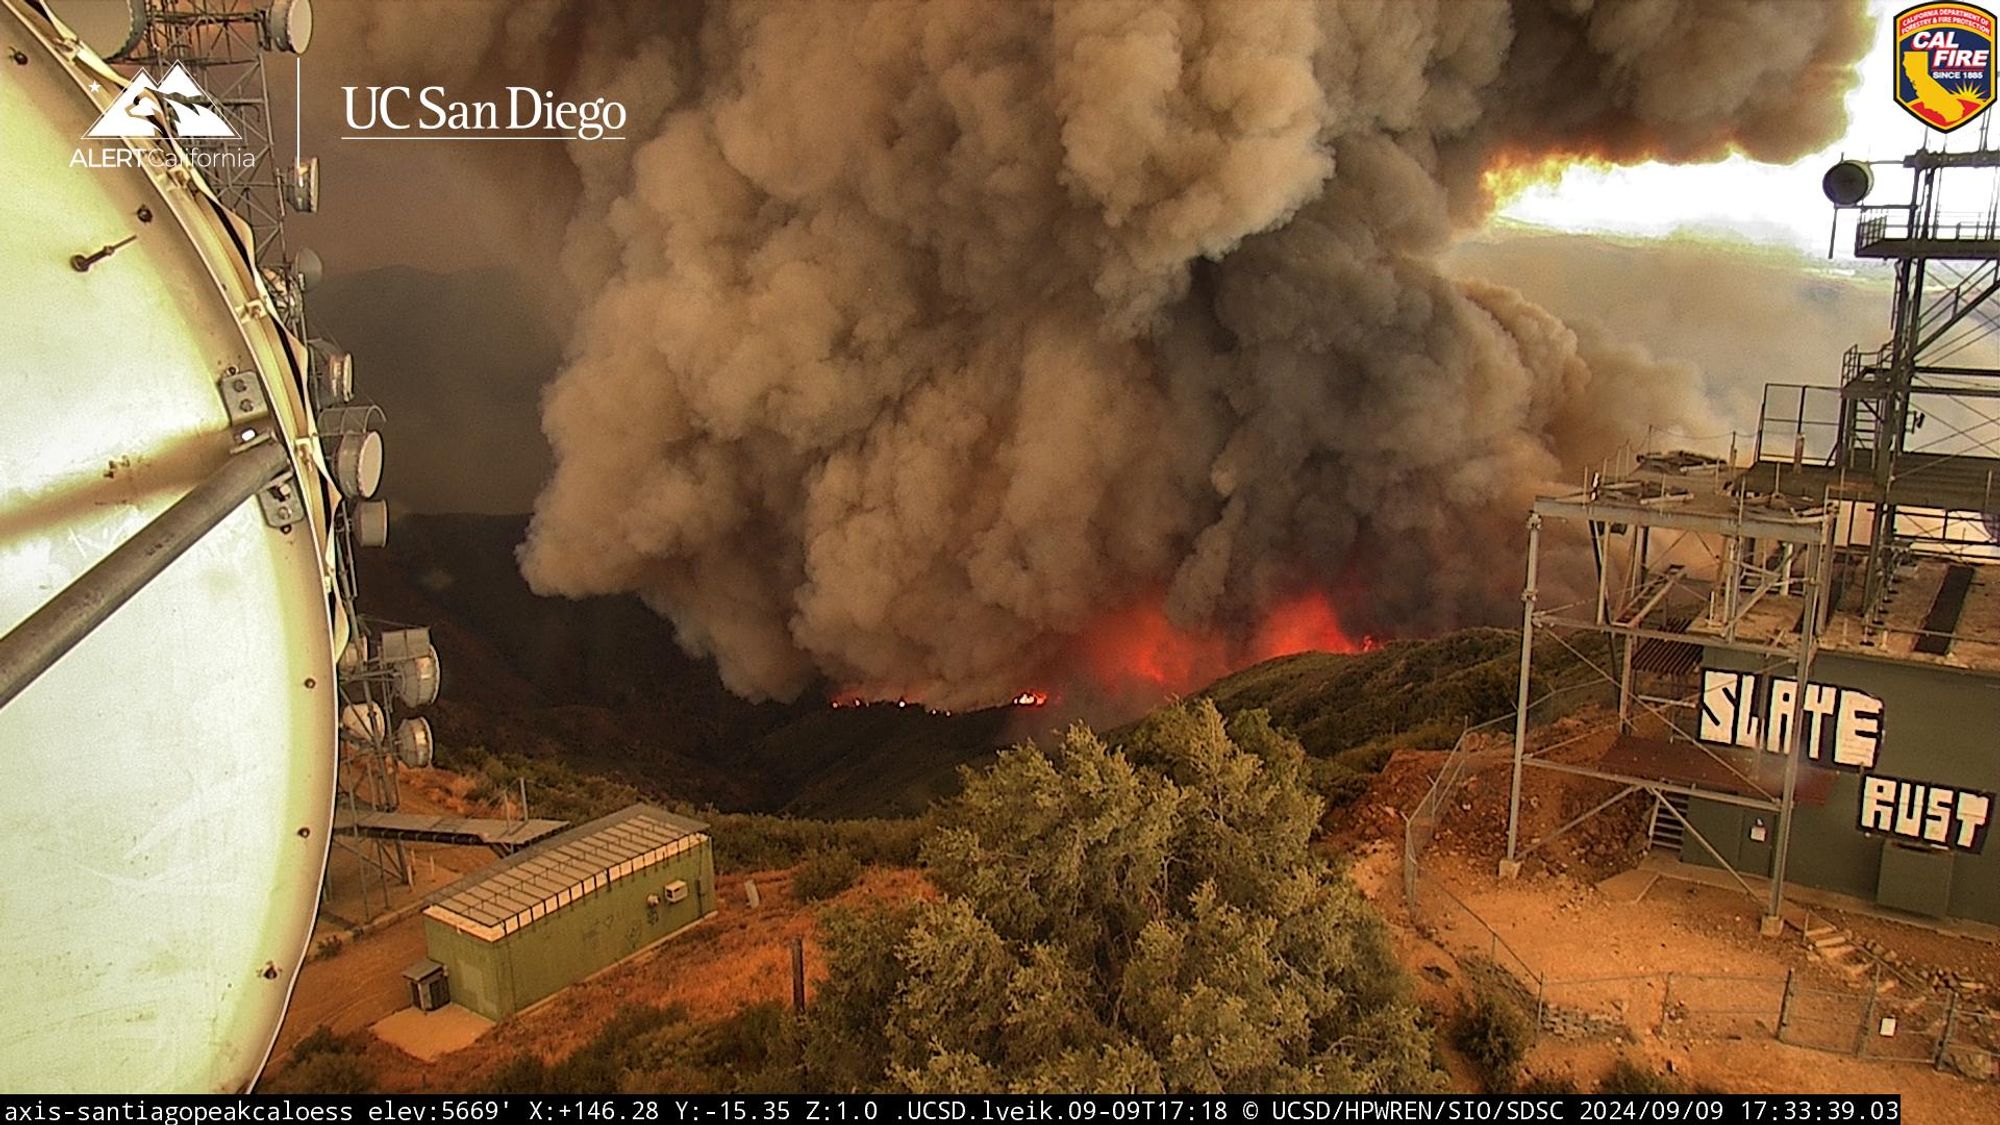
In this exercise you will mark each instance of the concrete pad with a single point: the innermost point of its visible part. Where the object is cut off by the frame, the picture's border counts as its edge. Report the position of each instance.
(1629, 886)
(428, 1035)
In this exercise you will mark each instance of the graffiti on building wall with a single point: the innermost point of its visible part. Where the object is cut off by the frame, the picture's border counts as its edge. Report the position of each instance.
(1842, 729)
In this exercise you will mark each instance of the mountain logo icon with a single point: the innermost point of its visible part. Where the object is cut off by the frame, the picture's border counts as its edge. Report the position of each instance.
(176, 105)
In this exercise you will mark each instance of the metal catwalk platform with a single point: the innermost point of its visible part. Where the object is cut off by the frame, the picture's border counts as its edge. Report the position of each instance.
(502, 836)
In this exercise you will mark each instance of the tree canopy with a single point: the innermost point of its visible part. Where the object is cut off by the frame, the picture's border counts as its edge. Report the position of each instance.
(1142, 917)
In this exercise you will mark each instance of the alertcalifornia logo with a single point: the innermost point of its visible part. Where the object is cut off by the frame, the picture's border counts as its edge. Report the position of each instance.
(1944, 64)
(431, 113)
(176, 106)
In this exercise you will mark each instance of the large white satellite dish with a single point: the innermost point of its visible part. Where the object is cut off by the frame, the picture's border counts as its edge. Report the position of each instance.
(166, 785)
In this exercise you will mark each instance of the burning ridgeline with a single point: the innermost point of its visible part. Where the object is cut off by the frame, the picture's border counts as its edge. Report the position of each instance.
(1806, 649)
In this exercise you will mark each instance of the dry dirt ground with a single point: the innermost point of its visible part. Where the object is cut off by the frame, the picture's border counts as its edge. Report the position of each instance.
(735, 957)
(1557, 923)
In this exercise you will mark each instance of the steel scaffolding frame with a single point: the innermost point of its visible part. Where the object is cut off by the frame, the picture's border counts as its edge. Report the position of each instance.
(1775, 549)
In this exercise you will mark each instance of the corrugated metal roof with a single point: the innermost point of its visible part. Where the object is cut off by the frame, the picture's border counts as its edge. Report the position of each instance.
(528, 885)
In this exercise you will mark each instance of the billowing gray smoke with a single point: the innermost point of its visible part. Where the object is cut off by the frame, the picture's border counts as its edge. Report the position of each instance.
(912, 339)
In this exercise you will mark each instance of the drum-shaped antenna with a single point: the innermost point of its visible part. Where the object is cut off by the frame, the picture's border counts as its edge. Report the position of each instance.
(418, 680)
(288, 25)
(332, 371)
(357, 463)
(371, 523)
(109, 27)
(303, 190)
(409, 654)
(354, 447)
(365, 723)
(413, 743)
(1847, 183)
(307, 269)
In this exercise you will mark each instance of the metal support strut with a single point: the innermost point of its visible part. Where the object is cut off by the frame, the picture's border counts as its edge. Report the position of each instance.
(34, 646)
(1511, 864)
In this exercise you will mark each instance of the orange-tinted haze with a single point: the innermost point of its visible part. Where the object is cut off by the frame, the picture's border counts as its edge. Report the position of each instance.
(1137, 650)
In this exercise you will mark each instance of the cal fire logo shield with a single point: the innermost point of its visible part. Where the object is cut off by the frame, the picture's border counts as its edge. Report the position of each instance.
(1944, 63)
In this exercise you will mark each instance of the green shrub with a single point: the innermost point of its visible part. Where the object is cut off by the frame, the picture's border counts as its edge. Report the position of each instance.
(599, 1066)
(1629, 1077)
(1103, 904)
(324, 1062)
(1495, 1034)
(758, 842)
(323, 1040)
(1370, 758)
(1337, 784)
(525, 1073)
(825, 874)
(338, 1073)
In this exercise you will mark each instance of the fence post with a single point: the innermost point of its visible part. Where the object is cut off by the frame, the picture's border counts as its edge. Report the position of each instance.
(1868, 1013)
(799, 976)
(1785, 1006)
(1944, 1035)
(1410, 867)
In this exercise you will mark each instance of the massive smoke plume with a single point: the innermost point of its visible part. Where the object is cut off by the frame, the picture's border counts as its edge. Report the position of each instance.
(913, 341)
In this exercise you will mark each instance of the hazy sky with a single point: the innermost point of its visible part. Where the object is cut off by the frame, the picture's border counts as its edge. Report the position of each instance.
(1762, 202)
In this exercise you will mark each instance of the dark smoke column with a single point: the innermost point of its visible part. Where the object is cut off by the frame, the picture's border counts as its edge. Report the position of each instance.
(923, 336)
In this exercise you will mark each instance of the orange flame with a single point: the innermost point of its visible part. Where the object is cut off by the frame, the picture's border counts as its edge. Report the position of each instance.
(1137, 654)
(1508, 176)
(1138, 649)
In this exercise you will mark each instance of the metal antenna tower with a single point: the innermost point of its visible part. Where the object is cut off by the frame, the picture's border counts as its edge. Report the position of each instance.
(1947, 274)
(221, 44)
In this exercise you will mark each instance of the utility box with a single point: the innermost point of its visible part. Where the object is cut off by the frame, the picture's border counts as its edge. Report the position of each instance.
(430, 985)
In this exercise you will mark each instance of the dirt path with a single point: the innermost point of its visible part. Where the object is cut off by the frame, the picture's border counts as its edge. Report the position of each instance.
(355, 987)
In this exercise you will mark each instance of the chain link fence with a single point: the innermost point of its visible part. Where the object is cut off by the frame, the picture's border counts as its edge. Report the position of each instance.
(1722, 1006)
(1882, 1019)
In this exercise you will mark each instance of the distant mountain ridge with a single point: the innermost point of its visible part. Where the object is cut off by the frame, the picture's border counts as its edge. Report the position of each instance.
(600, 685)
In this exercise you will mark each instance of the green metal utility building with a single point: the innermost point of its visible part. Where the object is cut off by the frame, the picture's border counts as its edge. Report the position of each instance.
(556, 912)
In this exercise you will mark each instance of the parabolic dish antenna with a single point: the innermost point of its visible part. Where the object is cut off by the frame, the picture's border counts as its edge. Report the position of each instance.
(166, 784)
(1847, 183)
